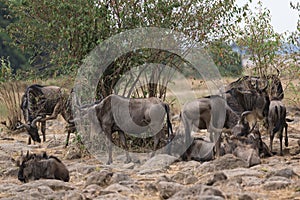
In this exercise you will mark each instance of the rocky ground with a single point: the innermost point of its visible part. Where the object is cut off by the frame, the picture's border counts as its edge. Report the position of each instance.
(161, 177)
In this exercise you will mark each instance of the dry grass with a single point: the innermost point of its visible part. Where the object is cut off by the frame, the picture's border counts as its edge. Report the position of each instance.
(10, 96)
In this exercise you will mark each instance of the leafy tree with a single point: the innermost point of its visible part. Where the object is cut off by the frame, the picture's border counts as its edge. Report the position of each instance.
(61, 33)
(260, 40)
(8, 52)
(228, 61)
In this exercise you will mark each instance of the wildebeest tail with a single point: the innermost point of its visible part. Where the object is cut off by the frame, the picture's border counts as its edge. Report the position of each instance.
(169, 125)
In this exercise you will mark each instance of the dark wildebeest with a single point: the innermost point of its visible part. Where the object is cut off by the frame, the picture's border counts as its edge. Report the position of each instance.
(250, 102)
(273, 83)
(34, 167)
(133, 116)
(38, 102)
(277, 122)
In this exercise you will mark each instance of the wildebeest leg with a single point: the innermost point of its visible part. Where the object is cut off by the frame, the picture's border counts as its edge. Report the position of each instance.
(68, 137)
(280, 140)
(187, 128)
(271, 140)
(156, 142)
(43, 129)
(109, 146)
(123, 140)
(29, 140)
(286, 142)
(218, 146)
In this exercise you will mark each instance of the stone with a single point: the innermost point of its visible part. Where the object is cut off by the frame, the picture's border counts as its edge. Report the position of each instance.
(219, 176)
(276, 183)
(227, 161)
(287, 173)
(184, 178)
(250, 155)
(197, 190)
(116, 188)
(101, 178)
(118, 177)
(157, 163)
(168, 189)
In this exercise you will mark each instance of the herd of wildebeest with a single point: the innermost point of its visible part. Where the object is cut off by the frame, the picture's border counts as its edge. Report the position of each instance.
(249, 103)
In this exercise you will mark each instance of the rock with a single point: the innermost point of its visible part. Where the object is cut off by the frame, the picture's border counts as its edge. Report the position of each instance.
(152, 187)
(55, 185)
(276, 183)
(227, 161)
(112, 196)
(73, 153)
(168, 189)
(101, 178)
(250, 181)
(245, 197)
(45, 190)
(74, 195)
(198, 190)
(92, 191)
(118, 177)
(200, 150)
(82, 168)
(250, 155)
(116, 188)
(219, 176)
(242, 172)
(12, 171)
(156, 163)
(184, 178)
(287, 173)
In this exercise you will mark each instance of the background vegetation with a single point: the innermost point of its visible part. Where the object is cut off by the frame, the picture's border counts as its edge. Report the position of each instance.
(49, 39)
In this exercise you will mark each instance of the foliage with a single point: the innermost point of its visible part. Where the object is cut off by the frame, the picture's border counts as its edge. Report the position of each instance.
(11, 53)
(61, 33)
(6, 70)
(260, 40)
(228, 61)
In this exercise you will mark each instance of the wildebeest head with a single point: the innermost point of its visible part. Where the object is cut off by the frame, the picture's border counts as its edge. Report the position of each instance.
(253, 100)
(32, 129)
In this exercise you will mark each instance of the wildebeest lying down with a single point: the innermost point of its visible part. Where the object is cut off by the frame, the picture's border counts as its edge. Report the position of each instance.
(132, 116)
(34, 167)
(38, 102)
(249, 149)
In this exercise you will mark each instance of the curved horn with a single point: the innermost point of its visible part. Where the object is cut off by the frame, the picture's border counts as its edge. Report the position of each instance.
(22, 126)
(245, 114)
(33, 123)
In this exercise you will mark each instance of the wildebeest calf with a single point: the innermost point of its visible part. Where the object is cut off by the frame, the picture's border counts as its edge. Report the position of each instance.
(36, 167)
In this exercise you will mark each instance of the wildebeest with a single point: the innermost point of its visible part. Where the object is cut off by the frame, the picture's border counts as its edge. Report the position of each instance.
(34, 167)
(132, 116)
(273, 83)
(198, 112)
(277, 122)
(38, 102)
